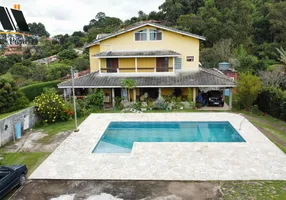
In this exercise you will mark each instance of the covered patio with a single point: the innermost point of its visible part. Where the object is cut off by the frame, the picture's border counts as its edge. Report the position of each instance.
(184, 83)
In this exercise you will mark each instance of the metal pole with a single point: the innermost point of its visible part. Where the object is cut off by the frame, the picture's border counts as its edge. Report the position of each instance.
(74, 104)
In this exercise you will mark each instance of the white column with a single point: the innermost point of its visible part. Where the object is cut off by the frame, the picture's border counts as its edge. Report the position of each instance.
(160, 92)
(194, 95)
(113, 97)
(230, 98)
(136, 65)
(223, 94)
(173, 64)
(65, 94)
(99, 65)
(134, 95)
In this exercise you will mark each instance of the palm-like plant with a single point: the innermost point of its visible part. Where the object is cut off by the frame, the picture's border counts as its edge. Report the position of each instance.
(282, 57)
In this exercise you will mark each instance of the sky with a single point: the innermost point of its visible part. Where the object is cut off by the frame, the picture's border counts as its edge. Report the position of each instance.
(67, 16)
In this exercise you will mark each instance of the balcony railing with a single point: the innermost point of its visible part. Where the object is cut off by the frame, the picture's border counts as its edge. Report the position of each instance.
(139, 69)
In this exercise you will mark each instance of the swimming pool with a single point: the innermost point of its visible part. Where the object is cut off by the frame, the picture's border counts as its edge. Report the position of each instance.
(120, 136)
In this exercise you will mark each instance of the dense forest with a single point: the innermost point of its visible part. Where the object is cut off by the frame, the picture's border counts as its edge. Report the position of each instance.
(246, 33)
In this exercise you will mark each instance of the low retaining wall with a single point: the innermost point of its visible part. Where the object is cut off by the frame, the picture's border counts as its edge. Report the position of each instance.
(26, 117)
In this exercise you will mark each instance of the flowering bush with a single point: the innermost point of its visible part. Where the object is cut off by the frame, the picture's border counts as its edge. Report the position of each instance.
(51, 107)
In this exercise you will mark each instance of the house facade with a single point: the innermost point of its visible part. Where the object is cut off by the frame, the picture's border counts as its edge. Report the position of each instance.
(161, 60)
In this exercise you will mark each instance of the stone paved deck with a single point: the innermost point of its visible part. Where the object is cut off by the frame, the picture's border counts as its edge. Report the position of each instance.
(256, 159)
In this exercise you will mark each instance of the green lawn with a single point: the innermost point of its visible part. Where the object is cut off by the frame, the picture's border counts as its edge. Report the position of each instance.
(31, 159)
(258, 190)
(58, 127)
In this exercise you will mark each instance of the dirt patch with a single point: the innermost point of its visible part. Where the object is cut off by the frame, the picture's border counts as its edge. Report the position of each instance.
(31, 142)
(116, 190)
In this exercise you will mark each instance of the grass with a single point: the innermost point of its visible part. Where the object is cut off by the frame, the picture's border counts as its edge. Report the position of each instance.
(259, 190)
(56, 128)
(266, 117)
(272, 131)
(59, 127)
(31, 159)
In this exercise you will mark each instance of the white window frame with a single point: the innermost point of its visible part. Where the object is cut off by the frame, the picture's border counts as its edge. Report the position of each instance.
(156, 32)
(181, 62)
(143, 31)
(190, 58)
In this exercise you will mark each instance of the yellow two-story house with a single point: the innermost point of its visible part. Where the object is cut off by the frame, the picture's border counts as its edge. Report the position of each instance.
(161, 60)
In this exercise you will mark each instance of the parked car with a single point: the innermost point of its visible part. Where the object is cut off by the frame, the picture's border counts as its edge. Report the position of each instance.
(10, 177)
(215, 98)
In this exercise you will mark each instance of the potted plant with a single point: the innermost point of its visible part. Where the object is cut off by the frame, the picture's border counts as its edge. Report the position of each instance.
(144, 106)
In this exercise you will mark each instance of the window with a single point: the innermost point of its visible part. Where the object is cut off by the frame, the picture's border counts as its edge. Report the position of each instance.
(141, 35)
(155, 34)
(178, 63)
(190, 58)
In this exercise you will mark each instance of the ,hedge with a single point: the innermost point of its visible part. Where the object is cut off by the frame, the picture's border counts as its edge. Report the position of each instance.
(272, 101)
(32, 91)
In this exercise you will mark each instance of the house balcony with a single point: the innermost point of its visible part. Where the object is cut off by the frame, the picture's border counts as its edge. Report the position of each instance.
(136, 62)
(136, 70)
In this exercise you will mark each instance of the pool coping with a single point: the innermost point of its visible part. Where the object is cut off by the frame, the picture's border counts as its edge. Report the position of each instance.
(256, 159)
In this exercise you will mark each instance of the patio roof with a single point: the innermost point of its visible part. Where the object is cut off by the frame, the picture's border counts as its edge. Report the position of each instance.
(200, 78)
(126, 54)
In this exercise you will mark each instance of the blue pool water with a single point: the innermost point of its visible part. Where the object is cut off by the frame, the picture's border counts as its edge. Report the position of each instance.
(120, 136)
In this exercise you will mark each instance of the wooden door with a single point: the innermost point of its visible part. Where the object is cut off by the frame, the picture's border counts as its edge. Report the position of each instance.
(162, 64)
(112, 65)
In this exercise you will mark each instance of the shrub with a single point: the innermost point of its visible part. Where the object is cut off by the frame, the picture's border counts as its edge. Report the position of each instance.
(248, 89)
(52, 108)
(137, 105)
(11, 98)
(117, 102)
(160, 103)
(95, 101)
(67, 54)
(57, 70)
(81, 108)
(32, 91)
(272, 100)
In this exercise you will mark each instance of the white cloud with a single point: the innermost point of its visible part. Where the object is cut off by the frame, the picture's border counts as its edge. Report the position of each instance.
(66, 16)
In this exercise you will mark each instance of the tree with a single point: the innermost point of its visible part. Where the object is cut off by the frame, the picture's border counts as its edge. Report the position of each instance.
(128, 84)
(282, 58)
(102, 24)
(220, 52)
(11, 98)
(38, 29)
(81, 63)
(57, 70)
(78, 33)
(153, 15)
(174, 9)
(246, 62)
(8, 62)
(277, 19)
(248, 89)
(275, 77)
(142, 16)
(67, 54)
(224, 19)
(19, 70)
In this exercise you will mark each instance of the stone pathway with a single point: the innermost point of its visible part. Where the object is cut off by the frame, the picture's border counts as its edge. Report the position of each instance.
(31, 142)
